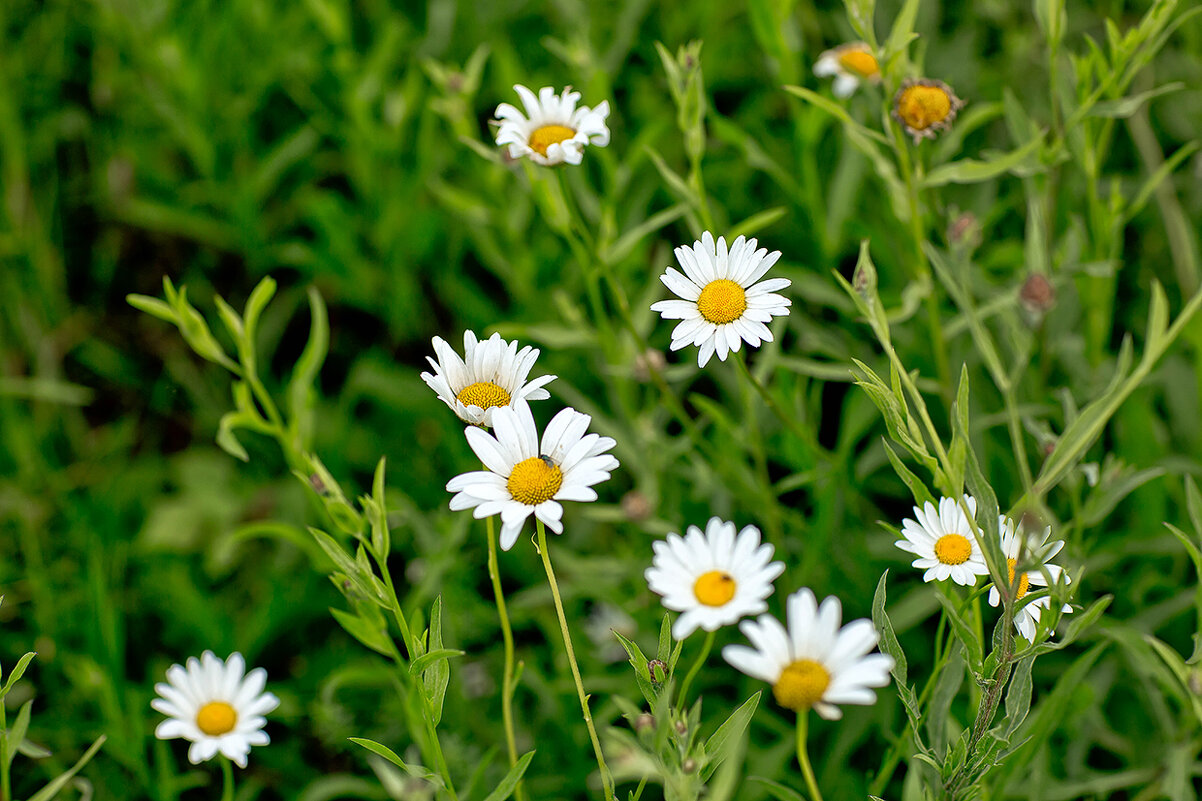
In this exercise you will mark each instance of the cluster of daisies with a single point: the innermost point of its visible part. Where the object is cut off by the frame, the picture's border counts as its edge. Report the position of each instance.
(946, 547)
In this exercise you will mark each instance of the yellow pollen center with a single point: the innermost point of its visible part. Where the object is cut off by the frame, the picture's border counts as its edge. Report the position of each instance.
(216, 718)
(722, 301)
(861, 62)
(548, 135)
(1023, 583)
(953, 549)
(484, 394)
(801, 685)
(534, 480)
(715, 588)
(920, 106)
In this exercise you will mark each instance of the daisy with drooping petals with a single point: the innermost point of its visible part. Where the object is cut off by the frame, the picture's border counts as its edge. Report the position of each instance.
(722, 304)
(851, 64)
(553, 129)
(944, 543)
(1035, 550)
(490, 375)
(215, 706)
(713, 578)
(523, 478)
(814, 663)
(924, 107)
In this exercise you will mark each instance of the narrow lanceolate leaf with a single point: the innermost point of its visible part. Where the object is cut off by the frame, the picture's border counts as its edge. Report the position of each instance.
(971, 171)
(507, 785)
(364, 631)
(17, 672)
(57, 784)
(416, 771)
(437, 675)
(725, 740)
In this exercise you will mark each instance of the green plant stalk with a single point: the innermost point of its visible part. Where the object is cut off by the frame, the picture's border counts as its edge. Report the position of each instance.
(507, 682)
(706, 647)
(803, 757)
(227, 779)
(607, 781)
(786, 419)
(6, 792)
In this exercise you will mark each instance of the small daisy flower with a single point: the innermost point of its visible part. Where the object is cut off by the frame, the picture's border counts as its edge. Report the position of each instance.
(1036, 550)
(490, 375)
(523, 478)
(851, 64)
(215, 706)
(713, 578)
(924, 107)
(814, 663)
(553, 130)
(944, 543)
(723, 305)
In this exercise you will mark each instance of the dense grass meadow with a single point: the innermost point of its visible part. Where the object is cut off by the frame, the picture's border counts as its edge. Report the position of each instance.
(230, 232)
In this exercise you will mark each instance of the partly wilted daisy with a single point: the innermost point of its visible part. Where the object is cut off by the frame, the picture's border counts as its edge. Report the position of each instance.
(214, 706)
(814, 663)
(713, 578)
(924, 107)
(553, 130)
(723, 305)
(521, 478)
(1035, 551)
(490, 375)
(944, 543)
(850, 63)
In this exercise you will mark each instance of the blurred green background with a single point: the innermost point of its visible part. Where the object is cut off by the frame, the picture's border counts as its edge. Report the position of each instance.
(322, 143)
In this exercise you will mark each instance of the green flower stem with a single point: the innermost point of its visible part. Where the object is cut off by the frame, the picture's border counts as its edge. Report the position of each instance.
(606, 779)
(789, 422)
(6, 792)
(803, 758)
(706, 647)
(507, 682)
(227, 779)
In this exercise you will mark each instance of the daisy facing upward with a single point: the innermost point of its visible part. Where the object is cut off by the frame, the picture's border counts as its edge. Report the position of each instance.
(722, 305)
(554, 129)
(944, 542)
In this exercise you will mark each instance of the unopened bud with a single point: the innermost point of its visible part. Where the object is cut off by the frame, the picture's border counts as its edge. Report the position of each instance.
(644, 722)
(1037, 294)
(455, 82)
(658, 671)
(682, 728)
(318, 485)
(635, 506)
(689, 765)
(646, 362)
(964, 231)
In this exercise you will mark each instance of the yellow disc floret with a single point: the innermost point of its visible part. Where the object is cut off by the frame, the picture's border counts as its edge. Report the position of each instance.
(722, 301)
(715, 588)
(859, 62)
(921, 106)
(1023, 582)
(216, 718)
(548, 135)
(484, 394)
(801, 685)
(953, 549)
(534, 480)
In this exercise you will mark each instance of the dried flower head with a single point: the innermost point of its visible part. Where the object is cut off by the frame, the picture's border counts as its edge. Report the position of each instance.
(925, 106)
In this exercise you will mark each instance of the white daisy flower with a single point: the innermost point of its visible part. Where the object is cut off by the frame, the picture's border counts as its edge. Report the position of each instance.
(553, 130)
(490, 375)
(713, 578)
(214, 706)
(1036, 551)
(814, 663)
(851, 64)
(522, 477)
(944, 543)
(723, 305)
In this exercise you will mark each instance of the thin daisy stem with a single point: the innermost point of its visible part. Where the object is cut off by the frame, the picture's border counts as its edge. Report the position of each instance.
(6, 793)
(706, 647)
(507, 682)
(803, 757)
(227, 779)
(780, 413)
(606, 779)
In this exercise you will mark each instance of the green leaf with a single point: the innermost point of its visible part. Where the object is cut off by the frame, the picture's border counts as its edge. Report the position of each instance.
(416, 771)
(837, 111)
(860, 14)
(153, 307)
(507, 785)
(918, 489)
(260, 296)
(642, 674)
(971, 171)
(902, 32)
(16, 734)
(889, 644)
(437, 675)
(17, 672)
(777, 790)
(431, 658)
(723, 742)
(300, 391)
(1124, 107)
(1018, 696)
(964, 631)
(758, 221)
(365, 631)
(57, 784)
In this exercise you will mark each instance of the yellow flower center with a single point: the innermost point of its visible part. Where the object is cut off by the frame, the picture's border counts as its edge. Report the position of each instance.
(715, 588)
(548, 135)
(216, 718)
(801, 685)
(722, 301)
(861, 62)
(921, 106)
(1023, 582)
(484, 394)
(953, 549)
(534, 480)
